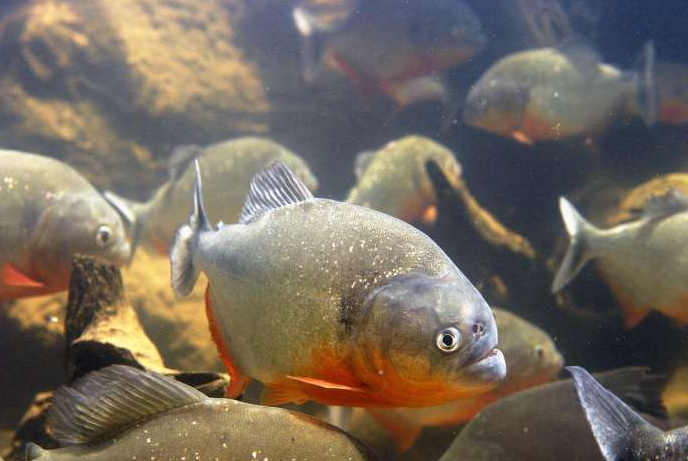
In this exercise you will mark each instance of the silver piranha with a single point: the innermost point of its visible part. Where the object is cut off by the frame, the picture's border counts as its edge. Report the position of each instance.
(327, 301)
(229, 167)
(121, 413)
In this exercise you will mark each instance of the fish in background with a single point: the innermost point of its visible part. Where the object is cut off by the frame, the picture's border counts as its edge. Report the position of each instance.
(672, 91)
(620, 432)
(545, 423)
(327, 301)
(388, 46)
(531, 358)
(120, 412)
(549, 94)
(644, 261)
(394, 179)
(227, 172)
(49, 213)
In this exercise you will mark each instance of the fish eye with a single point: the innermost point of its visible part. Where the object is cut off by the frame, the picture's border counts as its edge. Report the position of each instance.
(448, 339)
(103, 235)
(539, 351)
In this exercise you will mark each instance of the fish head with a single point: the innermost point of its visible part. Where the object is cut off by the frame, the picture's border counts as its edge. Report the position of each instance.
(496, 104)
(530, 353)
(448, 31)
(87, 225)
(433, 334)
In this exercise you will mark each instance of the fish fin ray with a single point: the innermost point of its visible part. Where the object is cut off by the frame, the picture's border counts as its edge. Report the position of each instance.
(112, 398)
(362, 162)
(578, 253)
(326, 384)
(14, 277)
(403, 433)
(180, 159)
(612, 422)
(648, 100)
(275, 187)
(278, 394)
(183, 271)
(665, 205)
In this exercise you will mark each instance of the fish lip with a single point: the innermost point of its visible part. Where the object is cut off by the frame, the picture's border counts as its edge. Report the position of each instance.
(489, 367)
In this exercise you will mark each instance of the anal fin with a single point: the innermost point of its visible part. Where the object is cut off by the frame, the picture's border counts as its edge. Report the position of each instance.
(12, 276)
(237, 380)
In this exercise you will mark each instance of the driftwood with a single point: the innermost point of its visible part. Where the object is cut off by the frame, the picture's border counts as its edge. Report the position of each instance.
(101, 329)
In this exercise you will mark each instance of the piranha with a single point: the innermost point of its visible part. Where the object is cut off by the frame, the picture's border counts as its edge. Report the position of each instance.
(229, 167)
(331, 302)
(545, 423)
(388, 46)
(642, 260)
(553, 93)
(531, 358)
(50, 213)
(620, 432)
(394, 180)
(120, 412)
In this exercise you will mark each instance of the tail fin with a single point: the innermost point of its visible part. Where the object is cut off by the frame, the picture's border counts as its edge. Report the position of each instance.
(184, 272)
(579, 253)
(612, 422)
(647, 91)
(131, 214)
(32, 452)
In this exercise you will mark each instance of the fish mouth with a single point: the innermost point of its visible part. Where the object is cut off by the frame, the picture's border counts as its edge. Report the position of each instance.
(487, 368)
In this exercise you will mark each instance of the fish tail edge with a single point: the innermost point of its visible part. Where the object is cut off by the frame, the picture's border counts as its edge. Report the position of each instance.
(647, 90)
(183, 268)
(612, 422)
(580, 249)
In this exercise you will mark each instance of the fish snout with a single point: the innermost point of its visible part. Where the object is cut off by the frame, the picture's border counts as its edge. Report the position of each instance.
(483, 363)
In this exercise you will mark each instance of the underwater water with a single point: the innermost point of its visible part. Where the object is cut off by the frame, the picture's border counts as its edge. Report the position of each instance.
(400, 217)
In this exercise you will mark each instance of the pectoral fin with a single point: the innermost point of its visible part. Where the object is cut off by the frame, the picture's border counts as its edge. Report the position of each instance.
(12, 276)
(326, 384)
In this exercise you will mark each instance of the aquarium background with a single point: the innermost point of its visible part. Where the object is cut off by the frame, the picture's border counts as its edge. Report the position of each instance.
(112, 87)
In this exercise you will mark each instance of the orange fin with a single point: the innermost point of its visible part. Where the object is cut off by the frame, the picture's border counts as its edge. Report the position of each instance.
(633, 316)
(237, 380)
(429, 216)
(521, 137)
(277, 394)
(326, 384)
(403, 434)
(10, 275)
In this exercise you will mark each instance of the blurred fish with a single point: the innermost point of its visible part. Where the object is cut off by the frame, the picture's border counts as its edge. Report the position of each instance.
(50, 213)
(643, 261)
(326, 301)
(388, 46)
(544, 423)
(121, 412)
(553, 93)
(620, 432)
(672, 90)
(394, 179)
(531, 358)
(229, 166)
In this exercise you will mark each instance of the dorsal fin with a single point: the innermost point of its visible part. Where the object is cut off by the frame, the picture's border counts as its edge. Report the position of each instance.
(181, 158)
(273, 188)
(112, 399)
(665, 205)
